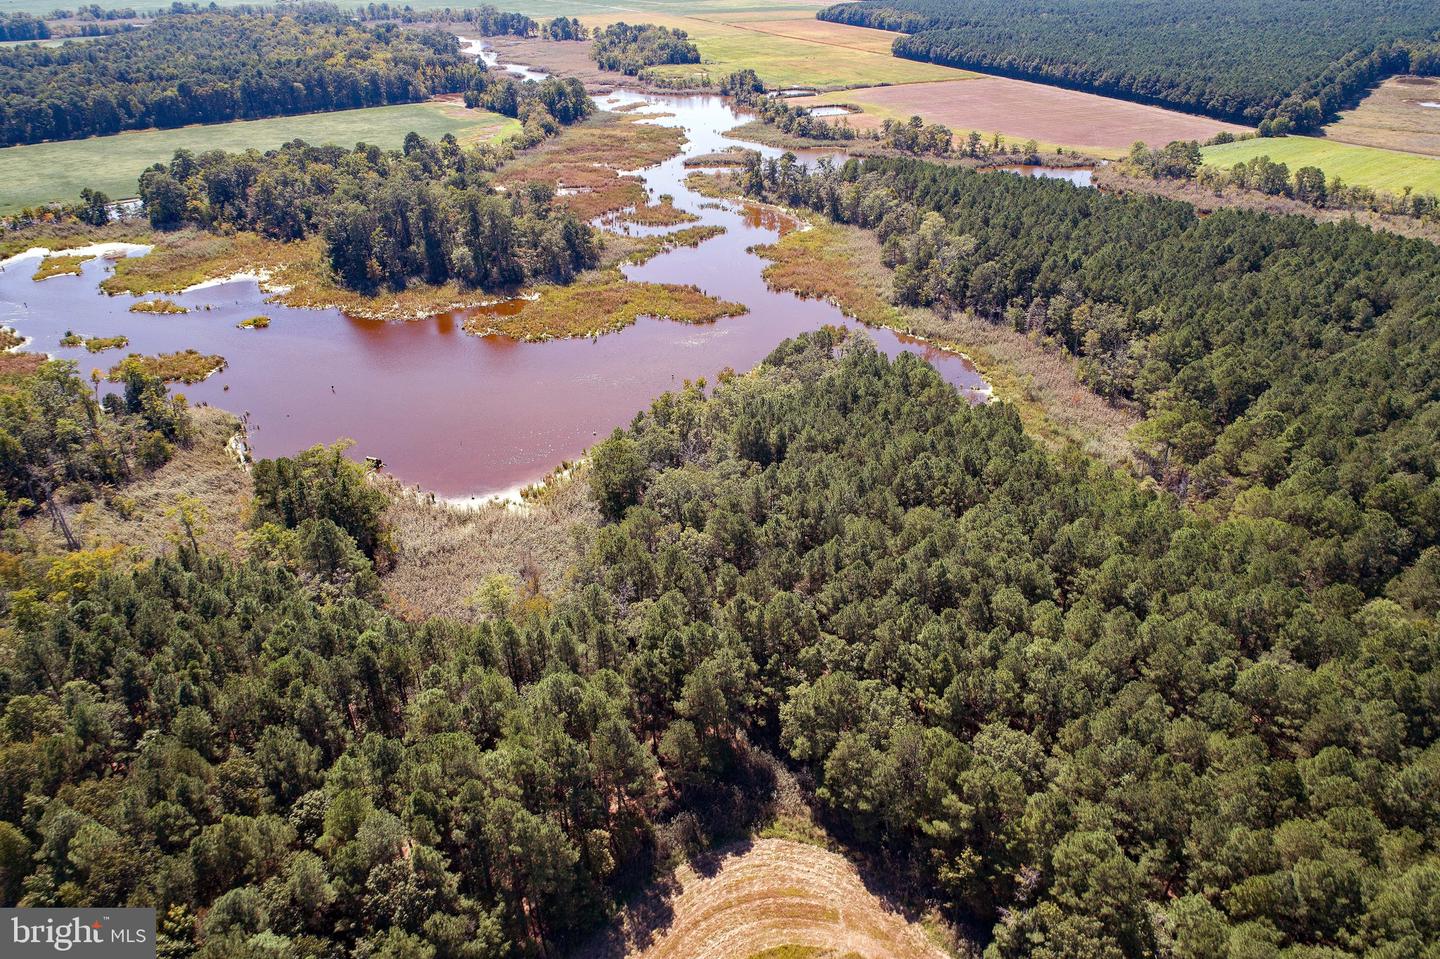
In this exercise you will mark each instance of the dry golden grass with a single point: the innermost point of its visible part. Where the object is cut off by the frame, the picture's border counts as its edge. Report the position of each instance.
(186, 366)
(663, 213)
(296, 274)
(1393, 116)
(601, 303)
(254, 323)
(136, 516)
(771, 898)
(60, 266)
(16, 366)
(60, 236)
(589, 156)
(843, 264)
(444, 553)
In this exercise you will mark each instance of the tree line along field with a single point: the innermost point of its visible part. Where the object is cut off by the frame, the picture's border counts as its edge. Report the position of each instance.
(785, 50)
(45, 172)
(1242, 60)
(218, 66)
(1389, 170)
(1021, 110)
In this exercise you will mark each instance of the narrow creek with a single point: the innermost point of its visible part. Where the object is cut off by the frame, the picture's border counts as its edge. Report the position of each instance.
(462, 415)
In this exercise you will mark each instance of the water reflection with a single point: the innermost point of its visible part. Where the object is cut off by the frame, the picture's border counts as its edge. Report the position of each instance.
(456, 413)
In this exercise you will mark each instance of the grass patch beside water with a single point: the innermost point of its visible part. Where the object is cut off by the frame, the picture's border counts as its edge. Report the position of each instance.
(158, 305)
(603, 304)
(59, 266)
(589, 156)
(95, 344)
(187, 366)
(645, 248)
(663, 213)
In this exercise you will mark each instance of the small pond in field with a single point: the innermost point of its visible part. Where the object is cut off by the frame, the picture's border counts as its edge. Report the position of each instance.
(459, 414)
(828, 112)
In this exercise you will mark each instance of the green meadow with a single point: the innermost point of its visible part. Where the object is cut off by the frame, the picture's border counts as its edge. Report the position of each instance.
(42, 172)
(1388, 170)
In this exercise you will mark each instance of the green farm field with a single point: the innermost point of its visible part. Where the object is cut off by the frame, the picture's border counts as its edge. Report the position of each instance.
(1389, 170)
(42, 172)
(789, 47)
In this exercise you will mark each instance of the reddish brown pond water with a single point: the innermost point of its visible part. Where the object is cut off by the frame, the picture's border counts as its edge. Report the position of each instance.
(459, 414)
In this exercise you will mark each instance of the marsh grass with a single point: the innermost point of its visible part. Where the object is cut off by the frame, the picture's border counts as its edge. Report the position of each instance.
(60, 236)
(663, 213)
(137, 516)
(186, 366)
(254, 323)
(95, 344)
(645, 248)
(589, 157)
(445, 553)
(158, 305)
(59, 266)
(9, 339)
(843, 264)
(603, 303)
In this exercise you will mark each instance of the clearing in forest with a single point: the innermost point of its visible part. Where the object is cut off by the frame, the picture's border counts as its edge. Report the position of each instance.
(770, 897)
(1022, 111)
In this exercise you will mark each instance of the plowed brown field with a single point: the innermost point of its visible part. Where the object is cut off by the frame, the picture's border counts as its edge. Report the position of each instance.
(768, 895)
(1023, 111)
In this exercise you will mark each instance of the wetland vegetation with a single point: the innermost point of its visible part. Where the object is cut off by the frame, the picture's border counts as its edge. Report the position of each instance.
(1123, 645)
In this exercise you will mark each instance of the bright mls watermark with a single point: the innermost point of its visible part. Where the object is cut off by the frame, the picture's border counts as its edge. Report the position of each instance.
(112, 933)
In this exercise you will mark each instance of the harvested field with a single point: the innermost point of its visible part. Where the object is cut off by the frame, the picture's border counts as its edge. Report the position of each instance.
(786, 52)
(770, 897)
(1394, 116)
(1023, 111)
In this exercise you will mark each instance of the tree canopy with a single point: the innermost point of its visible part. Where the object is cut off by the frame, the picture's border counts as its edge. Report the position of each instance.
(1291, 61)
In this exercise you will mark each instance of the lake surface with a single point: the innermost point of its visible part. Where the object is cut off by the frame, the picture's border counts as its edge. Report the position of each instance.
(463, 415)
(1078, 175)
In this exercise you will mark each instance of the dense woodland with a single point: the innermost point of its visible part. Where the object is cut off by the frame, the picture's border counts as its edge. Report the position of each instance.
(630, 48)
(1094, 723)
(22, 26)
(218, 66)
(388, 218)
(1286, 368)
(1290, 63)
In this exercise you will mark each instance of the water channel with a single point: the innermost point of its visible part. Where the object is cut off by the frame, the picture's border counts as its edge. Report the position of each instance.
(465, 416)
